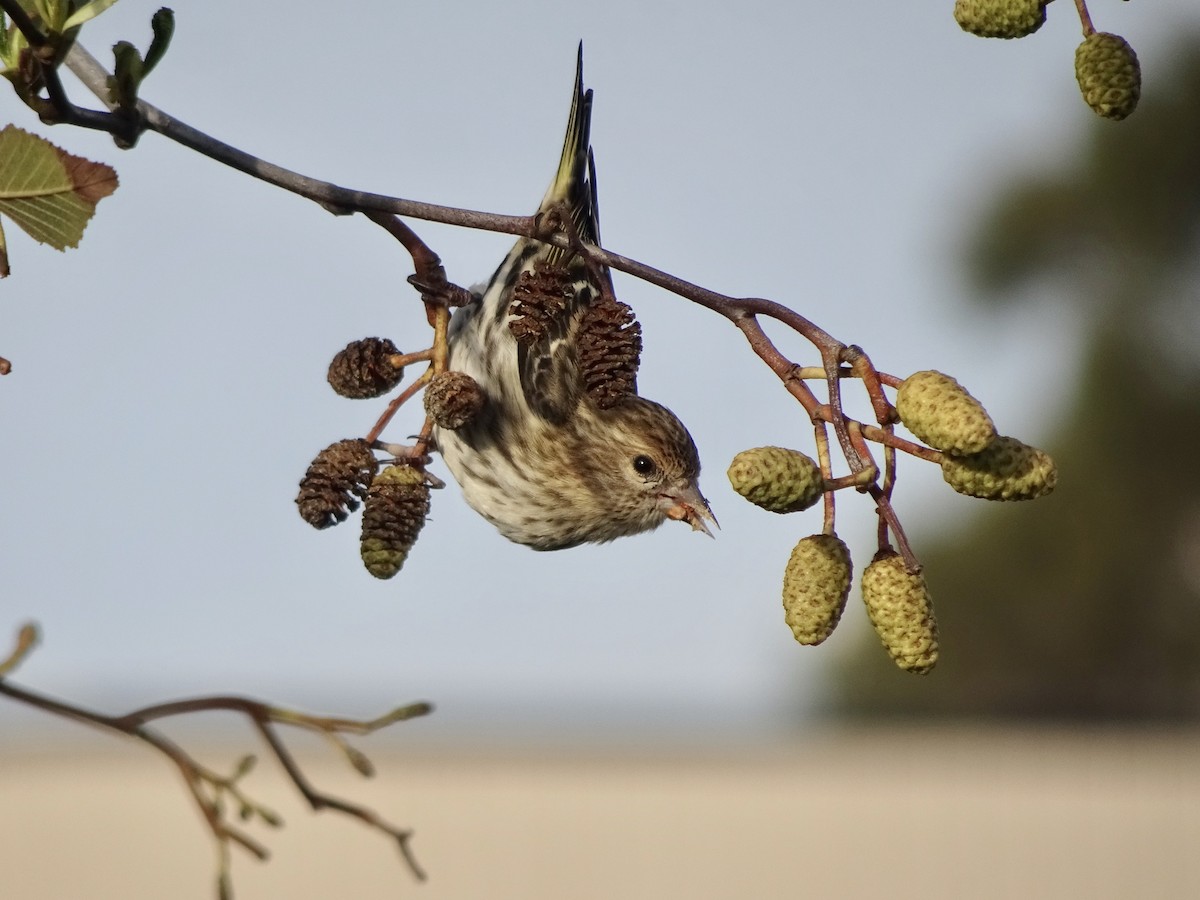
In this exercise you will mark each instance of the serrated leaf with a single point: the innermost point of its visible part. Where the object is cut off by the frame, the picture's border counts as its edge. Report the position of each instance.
(49, 193)
(4, 270)
(87, 12)
(163, 25)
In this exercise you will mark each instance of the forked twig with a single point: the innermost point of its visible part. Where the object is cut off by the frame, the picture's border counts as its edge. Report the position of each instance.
(439, 294)
(211, 790)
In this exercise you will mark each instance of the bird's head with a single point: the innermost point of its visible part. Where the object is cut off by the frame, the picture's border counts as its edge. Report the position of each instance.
(649, 467)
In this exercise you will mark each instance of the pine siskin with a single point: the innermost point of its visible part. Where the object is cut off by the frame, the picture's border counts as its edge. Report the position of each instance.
(549, 461)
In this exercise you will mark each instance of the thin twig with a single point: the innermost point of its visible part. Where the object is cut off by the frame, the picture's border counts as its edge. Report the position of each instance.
(742, 311)
(394, 406)
(200, 780)
(838, 361)
(1085, 18)
(15, 11)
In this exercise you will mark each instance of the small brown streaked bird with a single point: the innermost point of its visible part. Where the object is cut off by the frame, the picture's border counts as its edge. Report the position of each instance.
(564, 451)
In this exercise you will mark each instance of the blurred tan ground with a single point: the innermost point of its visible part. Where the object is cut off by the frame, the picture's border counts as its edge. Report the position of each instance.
(865, 813)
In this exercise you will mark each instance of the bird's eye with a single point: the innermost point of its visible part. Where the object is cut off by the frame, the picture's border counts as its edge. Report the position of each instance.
(644, 465)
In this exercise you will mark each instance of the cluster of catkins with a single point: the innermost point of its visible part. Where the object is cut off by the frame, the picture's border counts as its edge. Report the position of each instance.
(395, 498)
(1105, 65)
(975, 461)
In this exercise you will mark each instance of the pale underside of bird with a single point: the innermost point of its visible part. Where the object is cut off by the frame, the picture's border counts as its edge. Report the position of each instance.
(556, 459)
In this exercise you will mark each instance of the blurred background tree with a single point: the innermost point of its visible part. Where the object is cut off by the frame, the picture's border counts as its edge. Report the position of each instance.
(1086, 607)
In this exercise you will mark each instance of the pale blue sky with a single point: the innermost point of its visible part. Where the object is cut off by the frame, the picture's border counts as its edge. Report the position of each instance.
(168, 387)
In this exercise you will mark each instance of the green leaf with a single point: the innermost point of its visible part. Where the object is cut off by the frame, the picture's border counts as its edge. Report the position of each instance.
(163, 24)
(87, 12)
(50, 194)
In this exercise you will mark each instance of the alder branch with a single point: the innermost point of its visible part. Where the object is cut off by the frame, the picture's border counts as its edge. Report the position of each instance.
(128, 119)
(208, 788)
(743, 312)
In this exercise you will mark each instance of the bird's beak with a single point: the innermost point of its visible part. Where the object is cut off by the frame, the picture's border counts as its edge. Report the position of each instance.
(688, 505)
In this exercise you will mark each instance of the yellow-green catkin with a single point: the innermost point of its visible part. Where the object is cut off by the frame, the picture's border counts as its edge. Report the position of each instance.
(1000, 18)
(393, 515)
(1007, 470)
(900, 608)
(776, 478)
(940, 411)
(815, 586)
(1109, 75)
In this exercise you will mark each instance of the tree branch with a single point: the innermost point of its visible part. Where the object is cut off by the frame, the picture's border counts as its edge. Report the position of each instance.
(209, 789)
(743, 312)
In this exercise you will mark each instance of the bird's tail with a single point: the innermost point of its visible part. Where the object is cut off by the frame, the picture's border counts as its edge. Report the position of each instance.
(575, 181)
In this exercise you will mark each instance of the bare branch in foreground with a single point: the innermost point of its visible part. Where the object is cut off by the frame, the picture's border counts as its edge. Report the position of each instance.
(214, 793)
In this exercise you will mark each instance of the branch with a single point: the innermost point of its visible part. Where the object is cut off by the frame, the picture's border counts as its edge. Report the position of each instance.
(1022, 476)
(337, 199)
(437, 292)
(209, 789)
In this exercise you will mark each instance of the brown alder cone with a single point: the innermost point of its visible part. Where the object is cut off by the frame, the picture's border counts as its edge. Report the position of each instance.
(336, 480)
(610, 347)
(363, 369)
(539, 297)
(452, 399)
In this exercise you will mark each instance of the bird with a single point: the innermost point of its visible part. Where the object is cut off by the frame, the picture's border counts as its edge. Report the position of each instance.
(553, 460)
